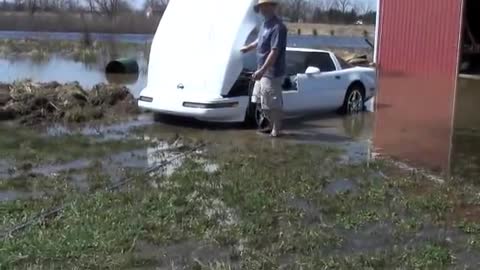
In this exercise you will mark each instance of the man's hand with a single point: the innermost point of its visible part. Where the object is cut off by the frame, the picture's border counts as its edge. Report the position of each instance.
(257, 75)
(249, 47)
(245, 49)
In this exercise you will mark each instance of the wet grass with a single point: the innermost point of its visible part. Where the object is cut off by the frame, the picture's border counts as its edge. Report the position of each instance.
(266, 207)
(30, 146)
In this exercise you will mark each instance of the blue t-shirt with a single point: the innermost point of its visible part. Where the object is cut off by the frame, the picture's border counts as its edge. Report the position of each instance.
(272, 35)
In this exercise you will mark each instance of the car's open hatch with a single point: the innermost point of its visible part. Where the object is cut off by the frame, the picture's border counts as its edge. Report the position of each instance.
(196, 48)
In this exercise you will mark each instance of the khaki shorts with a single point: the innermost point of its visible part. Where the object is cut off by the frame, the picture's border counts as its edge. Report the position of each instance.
(269, 92)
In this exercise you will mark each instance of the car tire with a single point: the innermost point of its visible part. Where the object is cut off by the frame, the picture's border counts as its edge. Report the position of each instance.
(255, 117)
(354, 101)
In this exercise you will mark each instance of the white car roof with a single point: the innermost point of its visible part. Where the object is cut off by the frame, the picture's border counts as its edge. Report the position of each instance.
(297, 49)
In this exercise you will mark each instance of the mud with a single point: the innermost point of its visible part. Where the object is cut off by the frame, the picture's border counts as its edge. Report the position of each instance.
(38, 103)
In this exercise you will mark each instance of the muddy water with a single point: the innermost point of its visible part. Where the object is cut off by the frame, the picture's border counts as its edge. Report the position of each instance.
(63, 69)
(350, 133)
(465, 151)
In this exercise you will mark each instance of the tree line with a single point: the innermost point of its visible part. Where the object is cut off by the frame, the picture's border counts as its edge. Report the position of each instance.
(311, 11)
(329, 11)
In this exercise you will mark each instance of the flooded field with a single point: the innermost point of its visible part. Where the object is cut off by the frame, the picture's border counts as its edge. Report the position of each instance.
(149, 193)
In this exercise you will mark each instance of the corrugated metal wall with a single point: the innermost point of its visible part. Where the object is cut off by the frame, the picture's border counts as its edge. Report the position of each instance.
(419, 36)
(417, 61)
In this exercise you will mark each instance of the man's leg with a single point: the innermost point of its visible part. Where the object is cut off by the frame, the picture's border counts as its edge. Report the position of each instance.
(276, 118)
(276, 114)
(257, 99)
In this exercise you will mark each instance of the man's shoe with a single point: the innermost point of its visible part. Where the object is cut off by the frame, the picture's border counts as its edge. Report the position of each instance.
(265, 130)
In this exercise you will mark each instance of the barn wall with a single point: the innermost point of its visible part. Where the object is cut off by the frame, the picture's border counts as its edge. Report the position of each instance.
(417, 67)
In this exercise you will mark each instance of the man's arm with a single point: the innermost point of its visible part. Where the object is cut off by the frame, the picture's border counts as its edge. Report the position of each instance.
(272, 56)
(250, 46)
(277, 42)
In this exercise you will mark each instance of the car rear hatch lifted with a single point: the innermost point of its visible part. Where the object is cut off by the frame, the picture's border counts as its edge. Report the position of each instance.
(196, 48)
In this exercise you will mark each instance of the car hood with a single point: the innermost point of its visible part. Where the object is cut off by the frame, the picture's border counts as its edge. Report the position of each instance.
(197, 46)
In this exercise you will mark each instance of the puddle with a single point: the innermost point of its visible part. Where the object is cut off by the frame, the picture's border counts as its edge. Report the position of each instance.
(375, 237)
(183, 255)
(103, 132)
(51, 170)
(12, 195)
(7, 170)
(115, 166)
(313, 215)
(341, 186)
(80, 181)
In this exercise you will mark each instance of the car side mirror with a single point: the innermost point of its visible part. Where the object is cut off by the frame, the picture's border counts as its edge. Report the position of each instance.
(312, 70)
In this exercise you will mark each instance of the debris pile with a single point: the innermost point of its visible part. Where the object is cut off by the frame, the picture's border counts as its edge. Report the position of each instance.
(34, 103)
(358, 60)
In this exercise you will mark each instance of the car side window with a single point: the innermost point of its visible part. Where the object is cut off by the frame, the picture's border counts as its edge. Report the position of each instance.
(295, 62)
(343, 64)
(321, 60)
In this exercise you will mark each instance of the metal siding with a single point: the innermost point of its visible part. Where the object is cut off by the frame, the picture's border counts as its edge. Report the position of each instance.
(417, 67)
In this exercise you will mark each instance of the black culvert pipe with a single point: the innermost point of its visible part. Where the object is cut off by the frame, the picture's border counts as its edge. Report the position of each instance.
(122, 66)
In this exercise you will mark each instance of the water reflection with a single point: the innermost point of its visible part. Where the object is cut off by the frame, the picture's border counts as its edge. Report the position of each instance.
(465, 156)
(63, 70)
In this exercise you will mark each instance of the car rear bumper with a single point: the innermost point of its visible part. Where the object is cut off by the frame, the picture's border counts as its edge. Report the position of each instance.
(205, 109)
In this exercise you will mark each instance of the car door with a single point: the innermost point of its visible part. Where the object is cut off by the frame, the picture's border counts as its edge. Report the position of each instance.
(293, 101)
(323, 90)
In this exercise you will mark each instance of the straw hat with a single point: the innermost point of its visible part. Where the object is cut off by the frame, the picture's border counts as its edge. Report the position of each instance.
(261, 2)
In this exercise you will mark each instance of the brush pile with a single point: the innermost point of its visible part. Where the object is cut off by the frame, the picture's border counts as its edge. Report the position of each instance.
(35, 103)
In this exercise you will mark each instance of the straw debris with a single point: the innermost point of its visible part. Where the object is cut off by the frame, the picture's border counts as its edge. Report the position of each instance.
(34, 103)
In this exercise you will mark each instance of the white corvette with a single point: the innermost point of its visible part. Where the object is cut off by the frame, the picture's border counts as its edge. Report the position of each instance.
(210, 79)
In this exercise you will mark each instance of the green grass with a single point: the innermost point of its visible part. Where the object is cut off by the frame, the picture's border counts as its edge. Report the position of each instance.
(265, 207)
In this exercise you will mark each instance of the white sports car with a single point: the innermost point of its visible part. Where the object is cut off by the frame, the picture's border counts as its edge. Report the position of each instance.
(317, 81)
(197, 70)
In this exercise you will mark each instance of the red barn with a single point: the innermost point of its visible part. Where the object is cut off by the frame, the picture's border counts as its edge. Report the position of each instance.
(420, 46)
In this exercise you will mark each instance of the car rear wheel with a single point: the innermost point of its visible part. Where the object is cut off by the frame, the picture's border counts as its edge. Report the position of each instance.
(256, 118)
(354, 100)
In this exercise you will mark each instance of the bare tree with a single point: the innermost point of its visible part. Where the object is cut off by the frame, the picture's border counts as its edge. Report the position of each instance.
(156, 6)
(32, 6)
(295, 9)
(344, 5)
(110, 8)
(363, 7)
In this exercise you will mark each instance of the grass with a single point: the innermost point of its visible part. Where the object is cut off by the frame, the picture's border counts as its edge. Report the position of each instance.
(28, 146)
(265, 207)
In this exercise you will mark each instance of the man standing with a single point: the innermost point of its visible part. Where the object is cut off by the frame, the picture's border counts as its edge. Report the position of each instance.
(271, 45)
